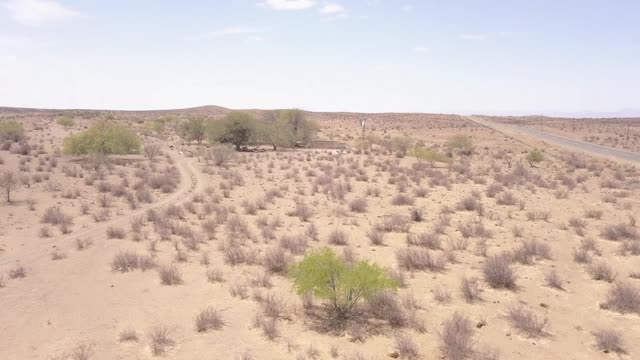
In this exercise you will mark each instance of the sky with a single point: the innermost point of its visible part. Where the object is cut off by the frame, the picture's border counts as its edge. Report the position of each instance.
(448, 56)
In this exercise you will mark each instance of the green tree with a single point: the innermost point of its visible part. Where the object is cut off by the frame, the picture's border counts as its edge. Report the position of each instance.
(11, 131)
(302, 128)
(276, 131)
(534, 156)
(103, 138)
(194, 128)
(237, 128)
(66, 121)
(429, 155)
(325, 275)
(461, 143)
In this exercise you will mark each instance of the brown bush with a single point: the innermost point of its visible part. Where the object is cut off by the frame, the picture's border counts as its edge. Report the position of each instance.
(498, 273)
(470, 289)
(358, 205)
(553, 280)
(623, 298)
(170, 275)
(415, 258)
(527, 322)
(209, 319)
(338, 237)
(456, 338)
(426, 239)
(601, 271)
(160, 339)
(406, 347)
(402, 199)
(609, 340)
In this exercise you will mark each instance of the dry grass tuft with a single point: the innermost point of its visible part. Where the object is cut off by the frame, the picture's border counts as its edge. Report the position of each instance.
(498, 273)
(527, 322)
(456, 338)
(209, 319)
(609, 340)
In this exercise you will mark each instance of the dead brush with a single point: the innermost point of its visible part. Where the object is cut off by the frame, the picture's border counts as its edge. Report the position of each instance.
(161, 339)
(609, 341)
(601, 271)
(415, 258)
(624, 298)
(425, 239)
(456, 338)
(209, 319)
(527, 322)
(498, 272)
(470, 289)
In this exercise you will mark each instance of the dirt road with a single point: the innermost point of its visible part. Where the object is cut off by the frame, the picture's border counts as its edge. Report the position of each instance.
(564, 142)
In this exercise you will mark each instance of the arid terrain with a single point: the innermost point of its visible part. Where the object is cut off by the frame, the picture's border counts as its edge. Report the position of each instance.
(619, 133)
(496, 250)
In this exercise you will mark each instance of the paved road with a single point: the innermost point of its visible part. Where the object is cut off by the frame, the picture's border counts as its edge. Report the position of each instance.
(590, 148)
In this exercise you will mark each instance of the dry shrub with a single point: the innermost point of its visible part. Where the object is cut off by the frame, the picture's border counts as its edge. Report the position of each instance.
(296, 244)
(239, 290)
(17, 272)
(553, 280)
(54, 216)
(426, 239)
(619, 232)
(170, 275)
(302, 211)
(338, 237)
(601, 271)
(209, 319)
(376, 237)
(358, 205)
(268, 325)
(415, 258)
(456, 338)
(128, 335)
(235, 254)
(417, 215)
(402, 199)
(530, 250)
(609, 340)
(394, 223)
(215, 276)
(470, 289)
(498, 272)
(384, 305)
(441, 295)
(406, 347)
(82, 352)
(527, 322)
(276, 260)
(116, 233)
(623, 298)
(469, 203)
(160, 339)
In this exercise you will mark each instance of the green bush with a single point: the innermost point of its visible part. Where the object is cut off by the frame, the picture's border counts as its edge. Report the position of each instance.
(429, 155)
(103, 138)
(534, 156)
(237, 128)
(302, 128)
(461, 143)
(193, 129)
(325, 275)
(11, 131)
(66, 121)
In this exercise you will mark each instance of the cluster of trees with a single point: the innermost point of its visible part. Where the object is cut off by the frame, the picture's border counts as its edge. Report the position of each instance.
(283, 128)
(66, 122)
(104, 138)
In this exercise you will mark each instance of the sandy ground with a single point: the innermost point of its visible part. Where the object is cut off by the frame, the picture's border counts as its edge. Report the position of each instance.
(80, 300)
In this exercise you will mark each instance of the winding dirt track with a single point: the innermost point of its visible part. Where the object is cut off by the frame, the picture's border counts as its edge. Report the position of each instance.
(575, 145)
(82, 286)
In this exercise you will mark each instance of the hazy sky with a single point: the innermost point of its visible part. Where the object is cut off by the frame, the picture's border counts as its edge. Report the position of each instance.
(363, 55)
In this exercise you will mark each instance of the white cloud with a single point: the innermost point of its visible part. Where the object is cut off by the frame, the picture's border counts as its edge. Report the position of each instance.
(421, 49)
(473, 37)
(234, 30)
(288, 4)
(332, 9)
(36, 12)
